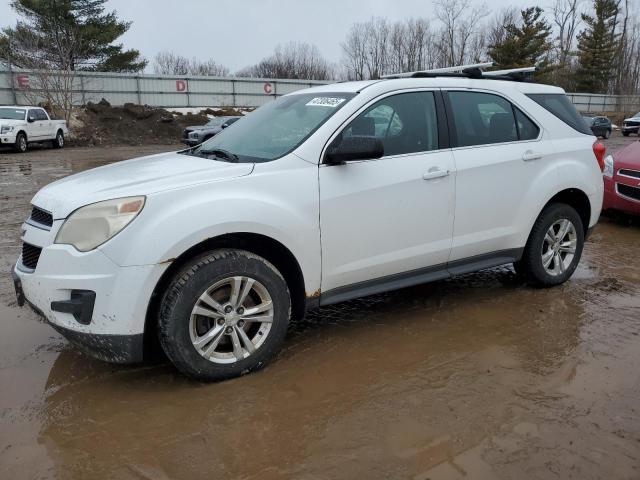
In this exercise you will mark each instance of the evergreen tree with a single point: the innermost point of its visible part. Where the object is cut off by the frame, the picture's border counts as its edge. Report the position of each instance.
(67, 35)
(597, 47)
(526, 44)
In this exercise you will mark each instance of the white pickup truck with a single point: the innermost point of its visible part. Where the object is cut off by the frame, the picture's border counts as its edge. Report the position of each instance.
(20, 126)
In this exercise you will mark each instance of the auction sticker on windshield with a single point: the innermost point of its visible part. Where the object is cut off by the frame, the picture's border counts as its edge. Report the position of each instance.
(325, 102)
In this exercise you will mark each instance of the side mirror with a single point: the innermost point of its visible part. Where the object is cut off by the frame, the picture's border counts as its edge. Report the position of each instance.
(224, 125)
(31, 119)
(356, 147)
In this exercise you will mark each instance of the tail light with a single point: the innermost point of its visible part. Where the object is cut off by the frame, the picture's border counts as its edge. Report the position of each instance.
(599, 151)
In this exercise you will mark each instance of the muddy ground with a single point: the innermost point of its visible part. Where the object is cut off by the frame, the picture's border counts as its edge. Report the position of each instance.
(477, 377)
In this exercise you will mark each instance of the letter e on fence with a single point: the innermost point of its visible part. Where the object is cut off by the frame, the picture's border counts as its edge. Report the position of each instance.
(22, 82)
(181, 85)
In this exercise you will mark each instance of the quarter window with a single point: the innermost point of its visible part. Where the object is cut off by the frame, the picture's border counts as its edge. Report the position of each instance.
(405, 123)
(484, 118)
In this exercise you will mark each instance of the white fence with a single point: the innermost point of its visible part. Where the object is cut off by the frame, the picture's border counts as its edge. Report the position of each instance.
(154, 90)
(191, 91)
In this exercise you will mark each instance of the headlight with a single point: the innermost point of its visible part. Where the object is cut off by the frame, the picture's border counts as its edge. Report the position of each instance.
(607, 171)
(92, 225)
(5, 129)
(194, 135)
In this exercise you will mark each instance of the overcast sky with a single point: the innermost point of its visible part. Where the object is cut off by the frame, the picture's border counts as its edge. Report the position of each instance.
(238, 33)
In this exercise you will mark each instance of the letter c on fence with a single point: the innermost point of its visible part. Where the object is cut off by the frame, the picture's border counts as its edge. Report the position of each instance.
(22, 81)
(181, 85)
(268, 88)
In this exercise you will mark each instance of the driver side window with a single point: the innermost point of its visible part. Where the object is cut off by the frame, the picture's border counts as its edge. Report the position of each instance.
(404, 123)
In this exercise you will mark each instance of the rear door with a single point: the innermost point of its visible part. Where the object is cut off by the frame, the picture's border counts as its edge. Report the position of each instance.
(498, 151)
(385, 220)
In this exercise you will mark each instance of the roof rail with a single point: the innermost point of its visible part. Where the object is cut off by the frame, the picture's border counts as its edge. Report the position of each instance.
(473, 71)
(456, 69)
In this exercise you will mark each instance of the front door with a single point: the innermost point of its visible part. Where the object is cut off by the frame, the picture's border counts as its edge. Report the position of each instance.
(388, 219)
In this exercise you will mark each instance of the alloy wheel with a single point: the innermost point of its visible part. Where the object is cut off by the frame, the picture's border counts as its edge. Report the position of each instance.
(231, 319)
(559, 247)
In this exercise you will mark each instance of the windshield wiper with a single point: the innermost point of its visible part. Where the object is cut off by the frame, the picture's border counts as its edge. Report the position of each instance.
(220, 153)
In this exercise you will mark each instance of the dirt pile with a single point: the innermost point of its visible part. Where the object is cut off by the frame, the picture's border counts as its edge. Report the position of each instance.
(103, 124)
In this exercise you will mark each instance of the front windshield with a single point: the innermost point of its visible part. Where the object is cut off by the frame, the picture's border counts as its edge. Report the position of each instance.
(12, 113)
(636, 115)
(276, 128)
(216, 122)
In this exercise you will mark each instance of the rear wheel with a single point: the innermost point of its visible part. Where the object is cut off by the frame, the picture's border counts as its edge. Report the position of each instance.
(21, 144)
(554, 247)
(58, 142)
(607, 133)
(224, 314)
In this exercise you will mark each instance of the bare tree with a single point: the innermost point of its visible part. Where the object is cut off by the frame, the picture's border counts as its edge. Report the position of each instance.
(566, 16)
(460, 24)
(292, 60)
(354, 49)
(169, 63)
(51, 88)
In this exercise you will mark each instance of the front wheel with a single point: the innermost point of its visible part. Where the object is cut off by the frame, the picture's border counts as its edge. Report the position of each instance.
(224, 314)
(554, 247)
(626, 134)
(21, 143)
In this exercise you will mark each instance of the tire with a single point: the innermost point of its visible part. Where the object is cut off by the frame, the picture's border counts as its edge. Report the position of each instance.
(626, 134)
(607, 134)
(213, 274)
(21, 145)
(539, 248)
(58, 142)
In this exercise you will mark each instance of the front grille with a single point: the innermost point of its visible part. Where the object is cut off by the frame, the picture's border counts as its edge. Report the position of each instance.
(185, 134)
(628, 191)
(631, 124)
(30, 255)
(40, 216)
(629, 173)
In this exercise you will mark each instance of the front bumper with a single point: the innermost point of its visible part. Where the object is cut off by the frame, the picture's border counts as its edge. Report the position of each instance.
(191, 142)
(8, 138)
(95, 303)
(614, 201)
(630, 128)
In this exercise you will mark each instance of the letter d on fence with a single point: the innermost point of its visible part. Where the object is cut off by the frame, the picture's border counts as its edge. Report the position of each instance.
(181, 85)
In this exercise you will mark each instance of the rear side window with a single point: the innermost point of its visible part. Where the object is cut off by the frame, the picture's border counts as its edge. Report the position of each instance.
(527, 130)
(405, 123)
(560, 106)
(482, 118)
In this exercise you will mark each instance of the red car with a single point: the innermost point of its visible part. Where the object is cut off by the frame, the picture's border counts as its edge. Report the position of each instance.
(622, 180)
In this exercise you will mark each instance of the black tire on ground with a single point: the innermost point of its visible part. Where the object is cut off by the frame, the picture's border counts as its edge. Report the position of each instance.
(21, 144)
(190, 283)
(531, 266)
(58, 142)
(626, 134)
(607, 133)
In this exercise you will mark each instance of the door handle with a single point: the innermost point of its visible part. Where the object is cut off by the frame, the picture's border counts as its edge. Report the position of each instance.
(531, 155)
(434, 173)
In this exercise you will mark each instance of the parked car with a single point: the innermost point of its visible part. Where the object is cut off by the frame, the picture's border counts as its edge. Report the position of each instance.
(20, 126)
(321, 196)
(631, 125)
(622, 180)
(600, 126)
(201, 133)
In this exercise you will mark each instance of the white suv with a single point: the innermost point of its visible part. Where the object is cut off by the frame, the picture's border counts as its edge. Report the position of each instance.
(321, 196)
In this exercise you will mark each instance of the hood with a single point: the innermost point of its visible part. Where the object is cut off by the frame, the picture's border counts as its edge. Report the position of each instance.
(628, 157)
(632, 119)
(141, 176)
(13, 123)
